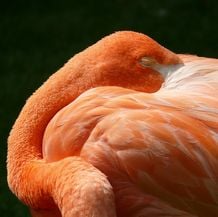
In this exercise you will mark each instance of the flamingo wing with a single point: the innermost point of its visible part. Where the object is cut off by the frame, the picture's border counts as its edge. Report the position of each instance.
(163, 144)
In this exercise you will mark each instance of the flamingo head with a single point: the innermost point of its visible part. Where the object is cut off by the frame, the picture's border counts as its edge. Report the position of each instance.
(127, 59)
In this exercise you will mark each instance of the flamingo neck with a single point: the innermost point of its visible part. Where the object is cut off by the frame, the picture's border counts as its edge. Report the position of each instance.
(25, 140)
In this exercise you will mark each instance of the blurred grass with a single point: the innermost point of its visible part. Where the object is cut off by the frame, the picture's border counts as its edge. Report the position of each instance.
(37, 37)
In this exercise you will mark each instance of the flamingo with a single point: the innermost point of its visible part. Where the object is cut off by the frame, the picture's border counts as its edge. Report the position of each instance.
(125, 128)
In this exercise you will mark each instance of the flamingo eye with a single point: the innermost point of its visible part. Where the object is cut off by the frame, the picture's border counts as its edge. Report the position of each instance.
(147, 61)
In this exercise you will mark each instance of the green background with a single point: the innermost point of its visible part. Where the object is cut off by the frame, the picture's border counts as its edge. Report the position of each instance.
(38, 37)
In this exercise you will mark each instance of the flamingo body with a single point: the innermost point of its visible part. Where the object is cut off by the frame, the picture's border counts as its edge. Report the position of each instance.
(165, 143)
(111, 138)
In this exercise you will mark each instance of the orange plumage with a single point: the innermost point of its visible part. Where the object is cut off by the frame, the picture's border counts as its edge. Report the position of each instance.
(117, 150)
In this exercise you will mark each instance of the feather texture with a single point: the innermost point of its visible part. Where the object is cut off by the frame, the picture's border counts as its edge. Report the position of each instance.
(163, 143)
(105, 137)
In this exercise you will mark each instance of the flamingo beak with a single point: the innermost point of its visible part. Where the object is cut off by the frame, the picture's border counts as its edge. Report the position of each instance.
(166, 70)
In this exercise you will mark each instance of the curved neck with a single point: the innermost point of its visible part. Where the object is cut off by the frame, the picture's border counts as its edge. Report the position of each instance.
(80, 74)
(24, 143)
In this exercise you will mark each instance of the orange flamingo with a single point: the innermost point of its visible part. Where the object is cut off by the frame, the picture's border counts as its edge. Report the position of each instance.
(140, 146)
